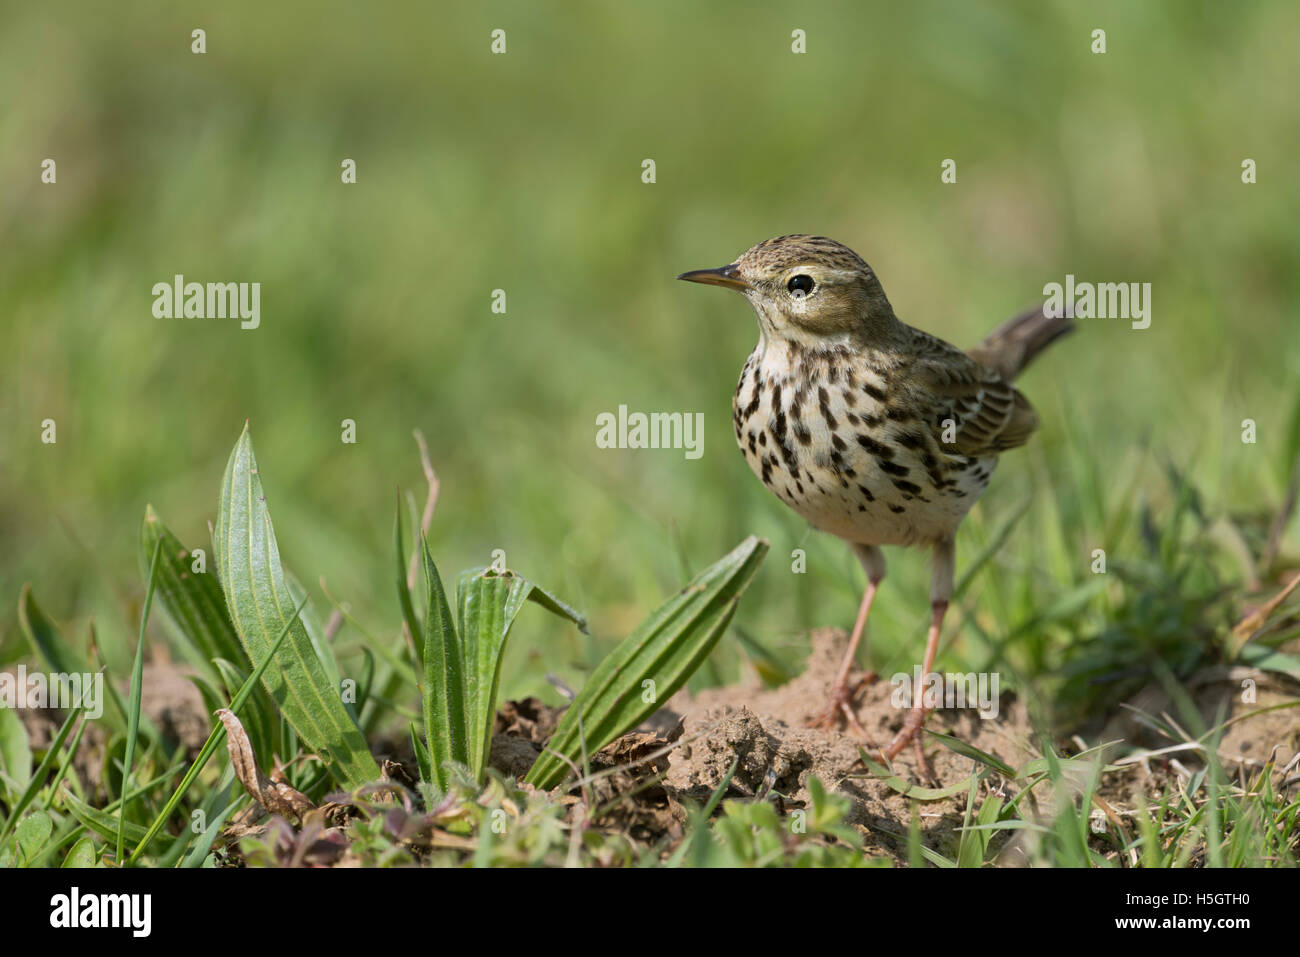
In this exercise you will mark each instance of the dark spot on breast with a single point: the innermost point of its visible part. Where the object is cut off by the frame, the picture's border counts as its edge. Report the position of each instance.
(897, 509)
(866, 493)
(874, 447)
(905, 486)
(892, 468)
(838, 442)
(875, 392)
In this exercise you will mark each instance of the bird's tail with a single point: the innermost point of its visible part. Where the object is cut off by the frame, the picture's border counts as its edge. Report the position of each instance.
(1011, 346)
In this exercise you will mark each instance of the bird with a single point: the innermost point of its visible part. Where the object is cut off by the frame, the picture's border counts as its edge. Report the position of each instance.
(870, 429)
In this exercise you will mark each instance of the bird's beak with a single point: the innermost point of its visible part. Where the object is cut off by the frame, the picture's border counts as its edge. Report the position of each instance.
(728, 276)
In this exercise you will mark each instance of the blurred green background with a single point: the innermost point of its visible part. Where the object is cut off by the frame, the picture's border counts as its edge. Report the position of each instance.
(522, 172)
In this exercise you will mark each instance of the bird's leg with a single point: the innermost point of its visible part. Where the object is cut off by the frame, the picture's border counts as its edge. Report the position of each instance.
(940, 595)
(840, 700)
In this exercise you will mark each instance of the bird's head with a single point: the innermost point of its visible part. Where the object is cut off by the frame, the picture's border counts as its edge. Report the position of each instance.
(807, 289)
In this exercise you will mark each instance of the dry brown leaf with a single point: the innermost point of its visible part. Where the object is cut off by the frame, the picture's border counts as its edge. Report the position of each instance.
(275, 796)
(1252, 623)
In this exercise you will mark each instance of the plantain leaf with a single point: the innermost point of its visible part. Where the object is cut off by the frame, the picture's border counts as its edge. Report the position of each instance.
(60, 657)
(193, 606)
(314, 628)
(651, 663)
(15, 753)
(81, 855)
(444, 679)
(101, 822)
(31, 834)
(488, 602)
(258, 599)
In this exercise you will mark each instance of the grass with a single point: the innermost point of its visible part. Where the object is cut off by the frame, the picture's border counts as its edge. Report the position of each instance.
(478, 173)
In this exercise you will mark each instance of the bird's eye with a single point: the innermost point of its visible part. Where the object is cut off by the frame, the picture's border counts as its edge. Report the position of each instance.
(800, 285)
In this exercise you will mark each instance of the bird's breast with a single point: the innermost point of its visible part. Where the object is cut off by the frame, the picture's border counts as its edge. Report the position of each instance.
(831, 438)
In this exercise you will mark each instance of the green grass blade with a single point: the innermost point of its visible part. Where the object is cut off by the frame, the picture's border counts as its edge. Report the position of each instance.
(664, 650)
(203, 846)
(38, 777)
(258, 599)
(421, 756)
(404, 592)
(915, 791)
(137, 690)
(972, 752)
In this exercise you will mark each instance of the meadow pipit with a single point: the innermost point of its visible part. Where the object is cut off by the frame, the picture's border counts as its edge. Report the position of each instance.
(873, 431)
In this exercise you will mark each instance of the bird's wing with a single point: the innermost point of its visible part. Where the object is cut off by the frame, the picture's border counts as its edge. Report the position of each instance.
(971, 409)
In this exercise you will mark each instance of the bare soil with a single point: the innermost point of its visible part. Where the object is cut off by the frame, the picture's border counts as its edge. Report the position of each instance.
(766, 729)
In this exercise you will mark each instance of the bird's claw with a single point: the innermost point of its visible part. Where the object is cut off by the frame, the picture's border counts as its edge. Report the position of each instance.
(840, 705)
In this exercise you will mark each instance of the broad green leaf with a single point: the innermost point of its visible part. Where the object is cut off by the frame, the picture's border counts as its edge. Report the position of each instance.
(312, 625)
(81, 855)
(444, 679)
(60, 657)
(192, 602)
(650, 665)
(258, 598)
(15, 752)
(195, 608)
(101, 822)
(218, 732)
(488, 603)
(31, 834)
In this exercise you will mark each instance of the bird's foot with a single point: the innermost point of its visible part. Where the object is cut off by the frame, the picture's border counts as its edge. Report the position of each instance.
(839, 705)
(911, 733)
